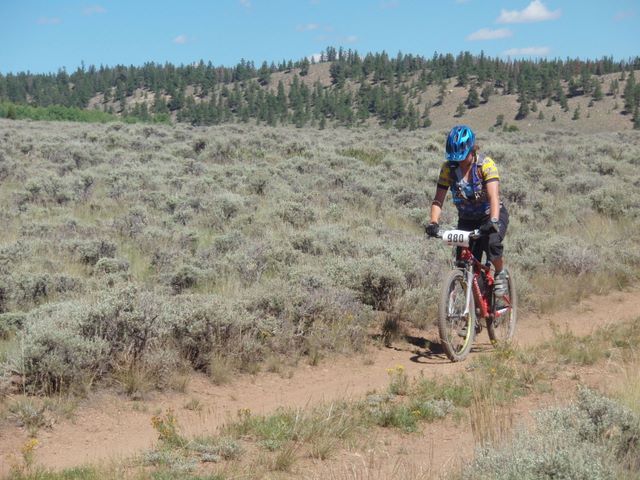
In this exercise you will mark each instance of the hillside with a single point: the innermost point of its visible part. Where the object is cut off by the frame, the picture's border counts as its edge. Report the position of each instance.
(607, 114)
(344, 89)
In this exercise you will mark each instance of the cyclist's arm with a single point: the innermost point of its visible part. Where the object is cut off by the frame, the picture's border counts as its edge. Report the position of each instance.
(493, 192)
(436, 205)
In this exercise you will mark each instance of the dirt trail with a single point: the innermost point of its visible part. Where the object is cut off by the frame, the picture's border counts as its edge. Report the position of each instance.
(109, 427)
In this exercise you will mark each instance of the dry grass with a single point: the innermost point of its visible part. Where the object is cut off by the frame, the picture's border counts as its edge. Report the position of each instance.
(337, 437)
(491, 421)
(628, 389)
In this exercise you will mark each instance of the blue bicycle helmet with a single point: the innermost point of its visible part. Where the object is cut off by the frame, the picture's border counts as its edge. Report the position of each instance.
(459, 143)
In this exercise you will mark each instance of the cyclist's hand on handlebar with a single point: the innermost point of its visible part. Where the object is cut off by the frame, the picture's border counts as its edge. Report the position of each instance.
(432, 229)
(490, 226)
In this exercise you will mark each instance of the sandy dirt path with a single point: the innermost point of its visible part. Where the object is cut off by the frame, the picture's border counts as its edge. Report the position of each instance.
(109, 427)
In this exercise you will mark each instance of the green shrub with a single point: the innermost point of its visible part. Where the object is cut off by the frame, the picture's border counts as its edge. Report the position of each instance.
(90, 251)
(594, 438)
(184, 277)
(111, 265)
(296, 213)
(379, 283)
(132, 224)
(203, 326)
(615, 201)
(56, 355)
(10, 323)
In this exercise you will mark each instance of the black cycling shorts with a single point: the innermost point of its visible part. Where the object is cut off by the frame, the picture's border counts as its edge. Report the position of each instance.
(491, 244)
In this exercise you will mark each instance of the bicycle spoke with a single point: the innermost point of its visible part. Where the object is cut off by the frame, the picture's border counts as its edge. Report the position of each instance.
(457, 329)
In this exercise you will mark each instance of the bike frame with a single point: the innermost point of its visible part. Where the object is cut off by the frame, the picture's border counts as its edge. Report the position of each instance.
(473, 269)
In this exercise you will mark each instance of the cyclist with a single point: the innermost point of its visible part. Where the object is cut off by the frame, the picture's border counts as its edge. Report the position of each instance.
(474, 183)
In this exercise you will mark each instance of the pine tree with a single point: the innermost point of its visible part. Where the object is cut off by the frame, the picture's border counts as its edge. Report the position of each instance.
(629, 93)
(426, 121)
(460, 110)
(281, 102)
(597, 92)
(523, 111)
(463, 78)
(442, 93)
(304, 67)
(586, 82)
(511, 86)
(564, 103)
(473, 99)
(412, 117)
(338, 74)
(576, 113)
(487, 91)
(264, 74)
(573, 88)
(159, 105)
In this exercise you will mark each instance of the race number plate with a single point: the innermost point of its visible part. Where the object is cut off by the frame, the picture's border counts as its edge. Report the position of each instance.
(458, 238)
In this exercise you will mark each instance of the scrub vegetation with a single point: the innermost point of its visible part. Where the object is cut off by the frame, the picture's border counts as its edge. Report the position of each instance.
(133, 254)
(591, 436)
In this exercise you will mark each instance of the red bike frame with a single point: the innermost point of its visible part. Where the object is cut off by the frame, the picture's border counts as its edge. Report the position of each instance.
(480, 301)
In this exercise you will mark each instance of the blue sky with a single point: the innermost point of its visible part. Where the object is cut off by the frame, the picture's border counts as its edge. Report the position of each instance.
(42, 36)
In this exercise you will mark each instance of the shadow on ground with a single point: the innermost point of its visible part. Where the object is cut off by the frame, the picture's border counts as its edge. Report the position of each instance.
(424, 350)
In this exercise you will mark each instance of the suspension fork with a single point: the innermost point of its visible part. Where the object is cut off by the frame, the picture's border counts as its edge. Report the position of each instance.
(473, 289)
(470, 288)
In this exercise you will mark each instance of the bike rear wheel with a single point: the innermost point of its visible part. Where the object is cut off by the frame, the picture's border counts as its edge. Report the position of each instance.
(457, 329)
(501, 328)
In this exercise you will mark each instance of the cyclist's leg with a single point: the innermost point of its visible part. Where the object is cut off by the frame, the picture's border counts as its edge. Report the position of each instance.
(467, 224)
(494, 245)
(495, 253)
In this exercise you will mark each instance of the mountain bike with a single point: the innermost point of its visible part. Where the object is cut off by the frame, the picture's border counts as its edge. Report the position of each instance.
(467, 300)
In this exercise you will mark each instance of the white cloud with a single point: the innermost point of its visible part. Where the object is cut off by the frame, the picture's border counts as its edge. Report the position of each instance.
(94, 10)
(527, 52)
(181, 39)
(245, 3)
(488, 34)
(309, 27)
(350, 39)
(49, 21)
(535, 12)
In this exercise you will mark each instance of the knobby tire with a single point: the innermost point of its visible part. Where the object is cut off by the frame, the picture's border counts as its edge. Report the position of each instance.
(501, 330)
(451, 321)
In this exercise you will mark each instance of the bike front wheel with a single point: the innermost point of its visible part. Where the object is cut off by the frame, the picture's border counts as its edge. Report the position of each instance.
(503, 325)
(456, 328)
